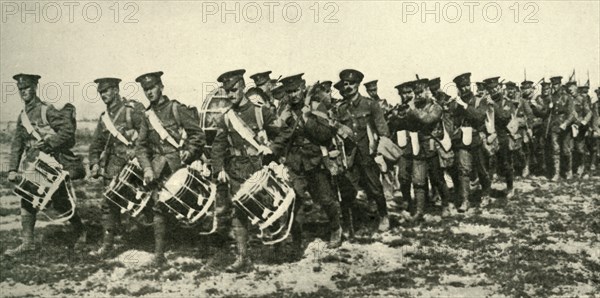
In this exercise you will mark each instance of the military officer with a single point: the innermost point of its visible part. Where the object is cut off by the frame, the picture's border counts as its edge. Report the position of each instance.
(173, 139)
(366, 118)
(307, 155)
(504, 111)
(582, 119)
(235, 158)
(561, 118)
(371, 88)
(114, 143)
(40, 128)
(469, 116)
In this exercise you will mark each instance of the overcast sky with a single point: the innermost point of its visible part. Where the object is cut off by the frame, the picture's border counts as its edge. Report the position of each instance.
(192, 45)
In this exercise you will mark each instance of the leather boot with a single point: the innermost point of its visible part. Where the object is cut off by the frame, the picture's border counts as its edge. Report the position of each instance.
(569, 174)
(80, 231)
(109, 223)
(556, 159)
(241, 238)
(27, 244)
(160, 233)
(420, 204)
(335, 240)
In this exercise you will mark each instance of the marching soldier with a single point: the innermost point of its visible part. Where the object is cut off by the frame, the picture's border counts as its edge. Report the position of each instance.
(40, 128)
(524, 133)
(307, 155)
(399, 125)
(263, 81)
(561, 117)
(504, 112)
(469, 115)
(540, 106)
(114, 143)
(426, 116)
(174, 138)
(366, 118)
(438, 94)
(371, 88)
(581, 122)
(238, 153)
(595, 133)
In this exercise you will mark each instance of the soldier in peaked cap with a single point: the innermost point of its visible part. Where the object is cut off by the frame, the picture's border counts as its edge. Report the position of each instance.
(307, 156)
(399, 126)
(582, 118)
(561, 118)
(540, 106)
(263, 81)
(114, 143)
(371, 88)
(595, 131)
(323, 94)
(41, 128)
(426, 116)
(366, 118)
(469, 115)
(440, 96)
(522, 136)
(235, 156)
(167, 153)
(504, 110)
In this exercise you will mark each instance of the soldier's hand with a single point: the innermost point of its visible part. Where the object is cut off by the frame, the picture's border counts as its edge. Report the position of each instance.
(184, 155)
(95, 171)
(42, 146)
(223, 177)
(460, 102)
(148, 175)
(12, 176)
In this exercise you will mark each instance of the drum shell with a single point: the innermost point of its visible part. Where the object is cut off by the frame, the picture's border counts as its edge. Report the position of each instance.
(194, 186)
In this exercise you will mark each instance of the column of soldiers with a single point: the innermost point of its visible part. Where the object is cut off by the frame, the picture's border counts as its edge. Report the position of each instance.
(334, 149)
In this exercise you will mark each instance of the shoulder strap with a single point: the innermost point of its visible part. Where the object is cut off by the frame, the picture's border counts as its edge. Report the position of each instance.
(175, 108)
(128, 120)
(28, 126)
(260, 121)
(44, 112)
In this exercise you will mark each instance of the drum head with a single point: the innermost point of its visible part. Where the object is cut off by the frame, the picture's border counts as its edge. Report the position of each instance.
(213, 107)
(173, 185)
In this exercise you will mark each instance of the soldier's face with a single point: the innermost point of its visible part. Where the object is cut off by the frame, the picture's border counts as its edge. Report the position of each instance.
(350, 88)
(154, 93)
(372, 93)
(324, 96)
(109, 95)
(555, 87)
(527, 91)
(407, 95)
(494, 90)
(464, 90)
(573, 89)
(295, 95)
(28, 93)
(510, 92)
(236, 93)
(546, 91)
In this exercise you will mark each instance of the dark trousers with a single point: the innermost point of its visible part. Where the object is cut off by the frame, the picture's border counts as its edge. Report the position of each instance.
(319, 184)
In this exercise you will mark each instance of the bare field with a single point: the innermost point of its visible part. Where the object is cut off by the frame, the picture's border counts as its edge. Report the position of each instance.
(544, 242)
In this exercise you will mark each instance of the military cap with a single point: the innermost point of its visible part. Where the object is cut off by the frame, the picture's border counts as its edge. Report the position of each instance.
(278, 92)
(511, 85)
(406, 85)
(150, 79)
(569, 83)
(351, 75)
(583, 88)
(293, 82)
(105, 83)
(372, 85)
(463, 80)
(26, 80)
(491, 82)
(480, 85)
(261, 78)
(526, 84)
(257, 96)
(228, 79)
(556, 80)
(545, 85)
(339, 85)
(421, 84)
(326, 85)
(435, 83)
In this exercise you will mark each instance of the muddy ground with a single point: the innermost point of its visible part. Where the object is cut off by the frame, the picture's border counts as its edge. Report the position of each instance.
(543, 242)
